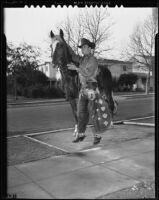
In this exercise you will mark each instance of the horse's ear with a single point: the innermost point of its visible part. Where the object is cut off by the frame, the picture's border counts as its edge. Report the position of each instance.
(61, 33)
(51, 34)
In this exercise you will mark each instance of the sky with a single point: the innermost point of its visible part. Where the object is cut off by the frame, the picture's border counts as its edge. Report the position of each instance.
(32, 25)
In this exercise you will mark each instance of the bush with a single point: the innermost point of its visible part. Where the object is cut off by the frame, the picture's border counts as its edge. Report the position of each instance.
(57, 92)
(40, 91)
(127, 80)
(140, 90)
(35, 91)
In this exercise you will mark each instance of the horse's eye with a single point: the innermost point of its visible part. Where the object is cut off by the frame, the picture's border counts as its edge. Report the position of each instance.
(59, 45)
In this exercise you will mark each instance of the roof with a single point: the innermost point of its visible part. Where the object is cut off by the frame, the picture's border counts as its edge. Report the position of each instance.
(110, 61)
(147, 57)
(141, 74)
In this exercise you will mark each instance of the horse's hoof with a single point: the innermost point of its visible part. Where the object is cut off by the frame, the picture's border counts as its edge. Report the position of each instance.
(79, 139)
(76, 140)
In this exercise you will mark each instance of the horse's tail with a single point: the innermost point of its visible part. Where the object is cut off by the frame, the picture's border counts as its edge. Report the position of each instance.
(105, 83)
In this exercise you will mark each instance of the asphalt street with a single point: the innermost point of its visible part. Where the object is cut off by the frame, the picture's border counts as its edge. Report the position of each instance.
(27, 119)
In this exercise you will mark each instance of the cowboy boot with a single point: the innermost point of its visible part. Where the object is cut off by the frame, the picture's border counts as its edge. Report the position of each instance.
(97, 140)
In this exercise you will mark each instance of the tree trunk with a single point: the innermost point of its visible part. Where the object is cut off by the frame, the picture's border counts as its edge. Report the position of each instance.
(148, 82)
(15, 88)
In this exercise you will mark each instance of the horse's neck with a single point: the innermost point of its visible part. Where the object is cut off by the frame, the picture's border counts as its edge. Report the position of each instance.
(68, 59)
(64, 69)
(70, 54)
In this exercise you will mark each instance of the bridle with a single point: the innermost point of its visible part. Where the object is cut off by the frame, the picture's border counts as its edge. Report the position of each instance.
(62, 64)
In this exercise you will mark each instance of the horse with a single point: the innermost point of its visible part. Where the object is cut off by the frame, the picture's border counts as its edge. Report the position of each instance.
(61, 57)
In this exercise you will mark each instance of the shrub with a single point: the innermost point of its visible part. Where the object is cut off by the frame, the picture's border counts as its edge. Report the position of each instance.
(57, 92)
(140, 90)
(40, 91)
(127, 80)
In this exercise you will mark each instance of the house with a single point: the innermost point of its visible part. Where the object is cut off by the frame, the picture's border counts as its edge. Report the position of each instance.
(52, 73)
(116, 67)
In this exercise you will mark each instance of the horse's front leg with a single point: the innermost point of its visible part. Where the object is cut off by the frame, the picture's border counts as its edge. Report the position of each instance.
(74, 110)
(70, 91)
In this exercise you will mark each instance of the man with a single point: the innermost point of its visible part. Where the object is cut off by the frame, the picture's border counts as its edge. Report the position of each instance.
(88, 69)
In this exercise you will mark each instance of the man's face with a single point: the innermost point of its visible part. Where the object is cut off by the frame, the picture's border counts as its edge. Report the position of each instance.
(86, 49)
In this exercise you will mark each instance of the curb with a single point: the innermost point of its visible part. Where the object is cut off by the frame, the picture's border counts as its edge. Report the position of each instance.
(138, 123)
(121, 122)
(37, 102)
(130, 95)
(65, 101)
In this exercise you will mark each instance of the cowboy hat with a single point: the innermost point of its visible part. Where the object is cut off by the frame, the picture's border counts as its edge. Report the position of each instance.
(85, 41)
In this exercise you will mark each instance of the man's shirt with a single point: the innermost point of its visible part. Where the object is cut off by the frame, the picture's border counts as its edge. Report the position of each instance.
(88, 68)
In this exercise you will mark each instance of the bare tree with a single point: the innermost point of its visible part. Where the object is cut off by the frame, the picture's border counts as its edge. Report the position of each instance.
(73, 31)
(93, 24)
(155, 17)
(141, 46)
(97, 25)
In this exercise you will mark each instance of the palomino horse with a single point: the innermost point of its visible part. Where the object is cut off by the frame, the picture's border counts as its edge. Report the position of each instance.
(61, 56)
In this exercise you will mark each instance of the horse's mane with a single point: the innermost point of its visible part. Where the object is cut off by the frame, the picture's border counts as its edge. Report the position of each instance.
(67, 52)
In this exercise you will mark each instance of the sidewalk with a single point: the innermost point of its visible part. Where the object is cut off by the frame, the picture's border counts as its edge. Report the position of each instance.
(124, 158)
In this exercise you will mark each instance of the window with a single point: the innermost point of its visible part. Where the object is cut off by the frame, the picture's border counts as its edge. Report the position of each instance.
(46, 68)
(124, 67)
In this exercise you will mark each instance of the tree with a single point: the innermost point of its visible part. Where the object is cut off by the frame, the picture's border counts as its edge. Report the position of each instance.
(22, 63)
(155, 17)
(97, 25)
(93, 24)
(21, 57)
(73, 31)
(141, 46)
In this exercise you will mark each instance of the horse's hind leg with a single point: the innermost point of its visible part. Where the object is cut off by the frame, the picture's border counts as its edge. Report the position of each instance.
(110, 101)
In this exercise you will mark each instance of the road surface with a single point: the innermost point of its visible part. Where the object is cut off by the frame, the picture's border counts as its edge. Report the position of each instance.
(47, 117)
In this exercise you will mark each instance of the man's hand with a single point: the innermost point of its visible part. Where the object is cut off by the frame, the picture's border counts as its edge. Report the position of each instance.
(72, 67)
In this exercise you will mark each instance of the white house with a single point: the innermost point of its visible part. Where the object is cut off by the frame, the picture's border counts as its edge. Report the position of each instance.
(116, 67)
(52, 73)
(48, 70)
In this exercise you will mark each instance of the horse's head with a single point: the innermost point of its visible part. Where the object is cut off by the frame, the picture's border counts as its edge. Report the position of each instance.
(59, 51)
